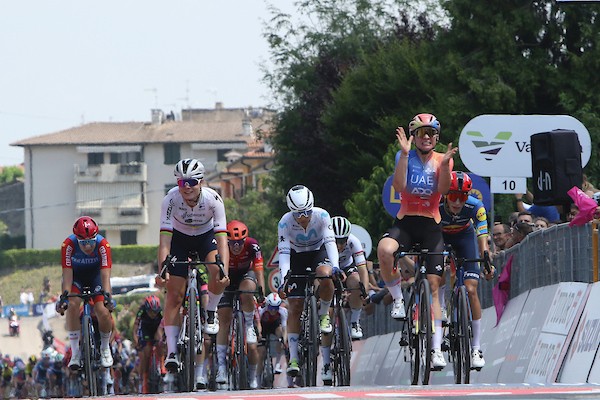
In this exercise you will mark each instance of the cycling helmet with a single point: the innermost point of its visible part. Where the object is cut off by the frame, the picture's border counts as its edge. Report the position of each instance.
(273, 300)
(299, 198)
(32, 359)
(460, 182)
(237, 230)
(58, 358)
(341, 227)
(85, 228)
(189, 168)
(152, 303)
(424, 120)
(48, 352)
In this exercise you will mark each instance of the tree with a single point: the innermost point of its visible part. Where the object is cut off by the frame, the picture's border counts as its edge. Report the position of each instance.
(10, 174)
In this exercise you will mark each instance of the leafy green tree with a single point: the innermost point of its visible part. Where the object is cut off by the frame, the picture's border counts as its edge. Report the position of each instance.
(10, 174)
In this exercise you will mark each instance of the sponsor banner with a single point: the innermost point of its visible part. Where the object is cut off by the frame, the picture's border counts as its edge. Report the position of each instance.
(525, 334)
(24, 310)
(566, 307)
(545, 358)
(495, 351)
(581, 359)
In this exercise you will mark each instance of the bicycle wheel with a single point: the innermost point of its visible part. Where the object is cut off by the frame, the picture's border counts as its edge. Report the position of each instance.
(411, 328)
(424, 331)
(313, 343)
(189, 363)
(344, 349)
(462, 363)
(267, 373)
(153, 373)
(88, 355)
(212, 378)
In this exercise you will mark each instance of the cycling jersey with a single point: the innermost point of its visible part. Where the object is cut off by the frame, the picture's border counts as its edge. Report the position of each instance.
(207, 215)
(353, 253)
(473, 212)
(293, 237)
(86, 268)
(280, 317)
(147, 326)
(420, 197)
(249, 257)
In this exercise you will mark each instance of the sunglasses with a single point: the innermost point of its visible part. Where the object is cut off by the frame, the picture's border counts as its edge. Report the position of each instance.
(299, 214)
(426, 130)
(86, 242)
(272, 308)
(191, 182)
(460, 196)
(237, 242)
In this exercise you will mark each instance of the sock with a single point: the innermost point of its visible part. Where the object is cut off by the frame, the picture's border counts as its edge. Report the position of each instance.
(476, 324)
(293, 345)
(442, 296)
(74, 341)
(221, 354)
(171, 332)
(252, 371)
(104, 340)
(436, 343)
(355, 315)
(213, 301)
(249, 318)
(395, 291)
(324, 307)
(326, 354)
(199, 370)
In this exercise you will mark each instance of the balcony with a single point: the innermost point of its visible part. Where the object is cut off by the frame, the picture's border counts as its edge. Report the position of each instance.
(107, 173)
(108, 216)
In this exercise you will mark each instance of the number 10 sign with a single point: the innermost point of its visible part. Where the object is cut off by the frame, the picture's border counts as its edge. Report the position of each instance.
(508, 185)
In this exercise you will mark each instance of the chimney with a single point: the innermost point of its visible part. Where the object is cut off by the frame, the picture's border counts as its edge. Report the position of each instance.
(158, 116)
(247, 127)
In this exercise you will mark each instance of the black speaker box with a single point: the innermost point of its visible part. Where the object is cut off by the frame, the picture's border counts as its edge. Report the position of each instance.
(556, 166)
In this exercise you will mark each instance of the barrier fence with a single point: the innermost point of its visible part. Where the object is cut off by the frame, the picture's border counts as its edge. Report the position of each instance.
(556, 254)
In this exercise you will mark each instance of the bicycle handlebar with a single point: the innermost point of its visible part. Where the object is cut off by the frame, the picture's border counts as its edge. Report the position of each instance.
(172, 260)
(486, 260)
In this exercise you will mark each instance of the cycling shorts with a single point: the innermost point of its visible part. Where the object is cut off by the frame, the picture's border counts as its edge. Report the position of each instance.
(269, 328)
(236, 279)
(299, 263)
(182, 245)
(423, 230)
(465, 246)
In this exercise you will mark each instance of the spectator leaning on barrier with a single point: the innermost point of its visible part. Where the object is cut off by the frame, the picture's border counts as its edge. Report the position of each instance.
(518, 233)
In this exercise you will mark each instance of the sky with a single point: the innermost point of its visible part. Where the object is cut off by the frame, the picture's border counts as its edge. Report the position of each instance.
(68, 62)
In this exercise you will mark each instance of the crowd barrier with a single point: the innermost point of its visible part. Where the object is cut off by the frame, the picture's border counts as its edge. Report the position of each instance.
(548, 334)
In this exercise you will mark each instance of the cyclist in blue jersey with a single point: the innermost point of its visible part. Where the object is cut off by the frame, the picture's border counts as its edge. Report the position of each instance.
(463, 220)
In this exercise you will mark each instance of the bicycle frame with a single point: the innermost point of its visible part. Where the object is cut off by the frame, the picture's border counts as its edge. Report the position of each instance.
(419, 327)
(460, 329)
(342, 345)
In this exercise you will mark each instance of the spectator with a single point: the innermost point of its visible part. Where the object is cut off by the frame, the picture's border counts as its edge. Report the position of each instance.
(518, 233)
(23, 297)
(500, 235)
(30, 301)
(573, 211)
(525, 216)
(512, 218)
(540, 223)
(549, 212)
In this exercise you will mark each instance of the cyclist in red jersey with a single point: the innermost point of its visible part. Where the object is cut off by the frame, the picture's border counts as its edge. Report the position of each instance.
(86, 261)
(245, 273)
(422, 176)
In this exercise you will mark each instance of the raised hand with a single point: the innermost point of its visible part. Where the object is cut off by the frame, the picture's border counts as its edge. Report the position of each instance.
(405, 143)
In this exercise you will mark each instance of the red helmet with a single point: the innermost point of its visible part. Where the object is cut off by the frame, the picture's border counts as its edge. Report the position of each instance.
(237, 230)
(85, 228)
(461, 182)
(152, 303)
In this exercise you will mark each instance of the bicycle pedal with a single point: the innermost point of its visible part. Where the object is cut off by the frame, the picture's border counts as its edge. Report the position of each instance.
(476, 369)
(437, 369)
(403, 342)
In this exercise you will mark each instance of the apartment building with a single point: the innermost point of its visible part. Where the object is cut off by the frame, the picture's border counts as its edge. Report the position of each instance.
(119, 172)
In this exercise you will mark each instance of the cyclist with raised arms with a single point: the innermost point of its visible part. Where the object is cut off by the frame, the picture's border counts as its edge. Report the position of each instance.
(464, 218)
(86, 261)
(245, 272)
(306, 239)
(147, 333)
(192, 220)
(421, 176)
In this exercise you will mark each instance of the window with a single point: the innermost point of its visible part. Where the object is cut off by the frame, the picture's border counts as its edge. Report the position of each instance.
(128, 237)
(221, 154)
(95, 158)
(125, 158)
(172, 153)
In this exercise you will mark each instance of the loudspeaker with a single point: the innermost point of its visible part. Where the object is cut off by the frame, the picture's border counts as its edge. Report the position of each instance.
(556, 166)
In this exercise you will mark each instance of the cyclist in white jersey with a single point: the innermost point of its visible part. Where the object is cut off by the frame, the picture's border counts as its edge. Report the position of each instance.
(192, 219)
(354, 264)
(306, 239)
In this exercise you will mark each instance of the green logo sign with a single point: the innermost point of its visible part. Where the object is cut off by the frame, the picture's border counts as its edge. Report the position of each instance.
(489, 149)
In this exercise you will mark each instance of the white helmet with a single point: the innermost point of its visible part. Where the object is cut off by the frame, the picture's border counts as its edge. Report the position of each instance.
(273, 300)
(189, 168)
(341, 227)
(299, 198)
